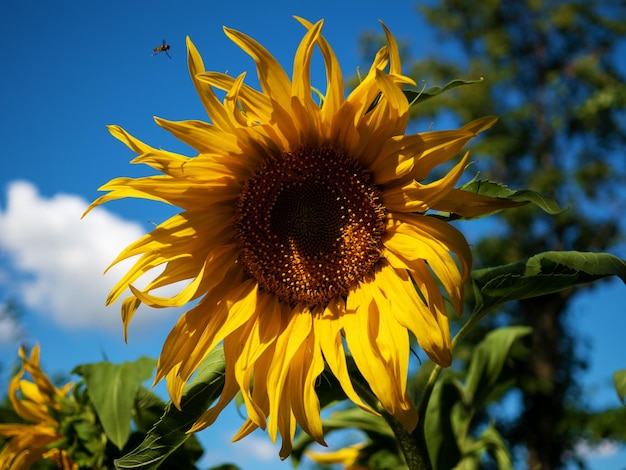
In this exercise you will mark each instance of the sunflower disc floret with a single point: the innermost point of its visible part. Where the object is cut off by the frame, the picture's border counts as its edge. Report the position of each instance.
(310, 225)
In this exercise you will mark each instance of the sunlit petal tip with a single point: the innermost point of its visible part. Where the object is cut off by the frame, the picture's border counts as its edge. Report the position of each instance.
(114, 130)
(480, 125)
(308, 24)
(194, 60)
(160, 121)
(234, 34)
(394, 52)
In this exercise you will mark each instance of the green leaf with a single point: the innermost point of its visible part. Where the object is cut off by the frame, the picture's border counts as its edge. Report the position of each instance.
(493, 189)
(419, 96)
(350, 418)
(440, 425)
(356, 418)
(112, 389)
(488, 360)
(619, 379)
(496, 447)
(328, 388)
(170, 431)
(542, 274)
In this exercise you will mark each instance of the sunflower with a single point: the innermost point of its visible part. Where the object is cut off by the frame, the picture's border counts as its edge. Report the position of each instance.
(302, 235)
(40, 399)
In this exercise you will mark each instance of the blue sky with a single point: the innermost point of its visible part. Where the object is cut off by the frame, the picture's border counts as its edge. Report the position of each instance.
(72, 67)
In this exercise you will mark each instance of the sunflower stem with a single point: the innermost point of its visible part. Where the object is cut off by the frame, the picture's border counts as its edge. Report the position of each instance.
(419, 435)
(412, 444)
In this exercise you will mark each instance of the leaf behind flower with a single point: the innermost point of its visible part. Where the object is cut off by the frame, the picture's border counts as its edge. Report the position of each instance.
(419, 96)
(171, 430)
(112, 389)
(545, 273)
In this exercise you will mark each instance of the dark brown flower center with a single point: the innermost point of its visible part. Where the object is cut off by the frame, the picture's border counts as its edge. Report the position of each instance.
(310, 225)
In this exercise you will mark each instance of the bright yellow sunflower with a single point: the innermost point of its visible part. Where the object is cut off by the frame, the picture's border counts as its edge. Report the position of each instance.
(36, 402)
(303, 234)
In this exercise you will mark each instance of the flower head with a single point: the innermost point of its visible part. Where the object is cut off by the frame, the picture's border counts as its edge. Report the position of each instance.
(36, 401)
(302, 234)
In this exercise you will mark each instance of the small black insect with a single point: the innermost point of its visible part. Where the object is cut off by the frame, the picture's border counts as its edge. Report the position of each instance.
(162, 48)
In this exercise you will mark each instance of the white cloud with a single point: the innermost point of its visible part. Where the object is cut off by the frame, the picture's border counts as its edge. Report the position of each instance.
(9, 329)
(57, 259)
(257, 449)
(604, 449)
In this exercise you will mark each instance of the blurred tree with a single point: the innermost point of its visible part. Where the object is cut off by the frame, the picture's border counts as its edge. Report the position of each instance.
(552, 74)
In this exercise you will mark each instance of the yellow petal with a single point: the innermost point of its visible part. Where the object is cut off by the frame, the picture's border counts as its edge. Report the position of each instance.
(291, 338)
(306, 366)
(417, 197)
(273, 79)
(414, 237)
(334, 79)
(328, 329)
(240, 305)
(432, 330)
(375, 340)
(304, 109)
(256, 105)
(395, 66)
(214, 108)
(274, 82)
(388, 118)
(204, 137)
(261, 334)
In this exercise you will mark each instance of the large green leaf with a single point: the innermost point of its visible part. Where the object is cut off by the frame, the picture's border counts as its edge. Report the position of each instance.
(440, 425)
(419, 96)
(453, 406)
(170, 431)
(112, 389)
(488, 360)
(545, 273)
(619, 378)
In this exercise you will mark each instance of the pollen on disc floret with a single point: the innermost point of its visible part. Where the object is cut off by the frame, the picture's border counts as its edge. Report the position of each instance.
(310, 225)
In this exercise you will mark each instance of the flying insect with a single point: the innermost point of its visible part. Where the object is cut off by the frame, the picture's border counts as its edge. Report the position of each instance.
(162, 48)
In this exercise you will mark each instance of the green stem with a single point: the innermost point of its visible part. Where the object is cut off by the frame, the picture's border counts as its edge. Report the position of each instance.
(418, 435)
(413, 445)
